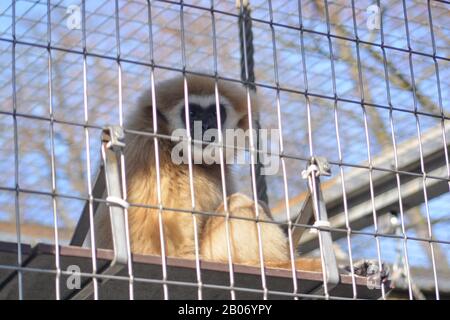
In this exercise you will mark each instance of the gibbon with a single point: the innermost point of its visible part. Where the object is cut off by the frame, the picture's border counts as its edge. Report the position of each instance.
(178, 227)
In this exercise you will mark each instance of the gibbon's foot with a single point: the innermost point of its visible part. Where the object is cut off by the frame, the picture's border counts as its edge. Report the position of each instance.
(242, 234)
(370, 269)
(301, 264)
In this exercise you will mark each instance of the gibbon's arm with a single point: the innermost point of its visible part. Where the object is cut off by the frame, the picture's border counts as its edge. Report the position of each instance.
(243, 236)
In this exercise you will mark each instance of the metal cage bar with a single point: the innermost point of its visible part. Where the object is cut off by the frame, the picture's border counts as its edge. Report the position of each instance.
(347, 75)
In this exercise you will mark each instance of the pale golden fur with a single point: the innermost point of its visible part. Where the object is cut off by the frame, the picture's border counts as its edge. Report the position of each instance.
(175, 188)
(175, 191)
(243, 234)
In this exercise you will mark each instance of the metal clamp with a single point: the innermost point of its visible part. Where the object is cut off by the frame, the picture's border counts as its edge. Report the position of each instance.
(314, 210)
(119, 202)
(112, 147)
(318, 165)
(113, 136)
(320, 224)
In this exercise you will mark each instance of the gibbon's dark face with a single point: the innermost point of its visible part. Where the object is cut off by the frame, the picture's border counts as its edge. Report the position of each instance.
(203, 123)
(202, 114)
(206, 115)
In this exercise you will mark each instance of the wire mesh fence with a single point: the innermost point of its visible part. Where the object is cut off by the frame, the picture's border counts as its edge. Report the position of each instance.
(363, 84)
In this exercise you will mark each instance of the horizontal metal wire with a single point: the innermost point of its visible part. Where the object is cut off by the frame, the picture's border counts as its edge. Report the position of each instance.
(207, 213)
(301, 28)
(120, 59)
(170, 282)
(271, 153)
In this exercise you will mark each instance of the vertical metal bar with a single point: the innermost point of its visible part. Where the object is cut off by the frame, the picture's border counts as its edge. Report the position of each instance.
(422, 165)
(222, 164)
(367, 135)
(311, 150)
(283, 164)
(312, 182)
(122, 158)
(315, 194)
(305, 74)
(253, 161)
(16, 153)
(441, 109)
(391, 119)
(52, 154)
(88, 155)
(157, 163)
(156, 145)
(438, 81)
(191, 173)
(338, 143)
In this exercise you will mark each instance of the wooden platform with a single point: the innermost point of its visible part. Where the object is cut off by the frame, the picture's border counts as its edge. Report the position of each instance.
(39, 277)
